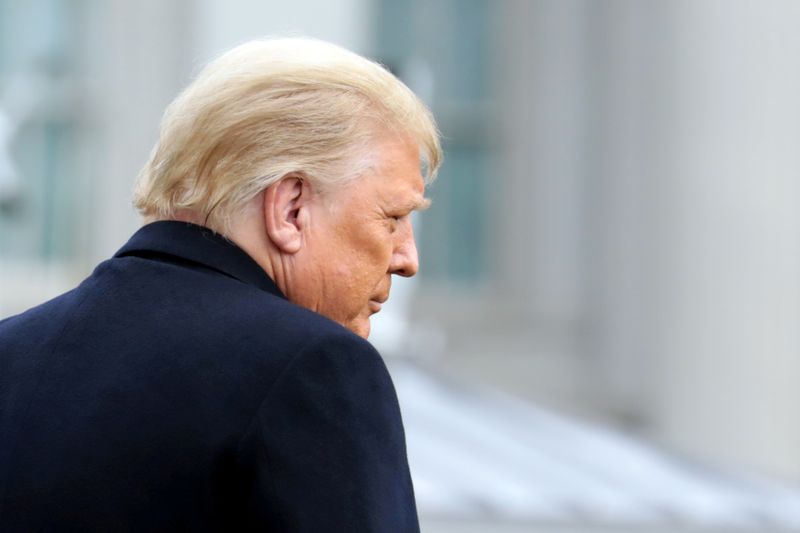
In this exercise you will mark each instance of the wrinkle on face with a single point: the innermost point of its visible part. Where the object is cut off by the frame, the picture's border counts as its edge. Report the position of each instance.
(350, 250)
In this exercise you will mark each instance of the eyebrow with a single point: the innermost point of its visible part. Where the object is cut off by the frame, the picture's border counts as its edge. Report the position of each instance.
(415, 205)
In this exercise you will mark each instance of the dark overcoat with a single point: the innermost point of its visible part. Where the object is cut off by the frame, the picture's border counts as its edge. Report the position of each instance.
(177, 389)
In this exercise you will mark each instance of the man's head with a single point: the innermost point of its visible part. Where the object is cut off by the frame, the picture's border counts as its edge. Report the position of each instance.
(308, 157)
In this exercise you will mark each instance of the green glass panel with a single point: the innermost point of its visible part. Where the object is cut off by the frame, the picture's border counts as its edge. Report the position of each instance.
(36, 54)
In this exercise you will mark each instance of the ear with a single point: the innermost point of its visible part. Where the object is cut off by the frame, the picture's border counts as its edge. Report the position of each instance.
(286, 212)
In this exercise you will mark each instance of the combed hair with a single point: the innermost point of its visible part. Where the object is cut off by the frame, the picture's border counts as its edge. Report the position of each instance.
(272, 107)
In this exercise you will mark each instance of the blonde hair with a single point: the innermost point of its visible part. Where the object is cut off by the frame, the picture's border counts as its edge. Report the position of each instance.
(272, 107)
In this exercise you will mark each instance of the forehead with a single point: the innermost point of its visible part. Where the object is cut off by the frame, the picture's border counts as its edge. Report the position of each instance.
(397, 175)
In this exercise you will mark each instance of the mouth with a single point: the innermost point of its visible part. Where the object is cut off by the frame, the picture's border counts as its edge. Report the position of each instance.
(375, 305)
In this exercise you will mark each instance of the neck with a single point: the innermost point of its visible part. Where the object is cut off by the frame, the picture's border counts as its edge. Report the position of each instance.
(250, 235)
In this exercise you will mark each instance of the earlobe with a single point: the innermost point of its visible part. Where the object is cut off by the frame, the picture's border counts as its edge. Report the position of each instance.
(284, 210)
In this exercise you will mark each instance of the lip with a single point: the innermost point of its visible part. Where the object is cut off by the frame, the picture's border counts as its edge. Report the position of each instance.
(376, 304)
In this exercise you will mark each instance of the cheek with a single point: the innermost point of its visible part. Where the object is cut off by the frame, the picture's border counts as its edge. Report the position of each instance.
(362, 261)
(366, 270)
(373, 254)
(363, 277)
(346, 275)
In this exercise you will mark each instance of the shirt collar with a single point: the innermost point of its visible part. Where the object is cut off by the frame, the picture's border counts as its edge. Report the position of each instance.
(201, 245)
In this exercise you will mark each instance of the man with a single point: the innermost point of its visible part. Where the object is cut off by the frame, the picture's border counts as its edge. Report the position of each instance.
(213, 375)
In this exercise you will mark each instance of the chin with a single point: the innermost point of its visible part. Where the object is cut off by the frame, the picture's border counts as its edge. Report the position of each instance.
(361, 328)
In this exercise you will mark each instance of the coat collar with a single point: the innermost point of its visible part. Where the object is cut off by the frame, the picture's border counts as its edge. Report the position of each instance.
(198, 244)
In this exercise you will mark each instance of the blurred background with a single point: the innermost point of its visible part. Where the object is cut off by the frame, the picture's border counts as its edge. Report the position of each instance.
(604, 332)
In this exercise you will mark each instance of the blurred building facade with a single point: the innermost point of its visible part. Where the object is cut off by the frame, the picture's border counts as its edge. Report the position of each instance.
(614, 232)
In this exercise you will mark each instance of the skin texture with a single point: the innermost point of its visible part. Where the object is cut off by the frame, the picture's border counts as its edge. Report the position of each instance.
(335, 253)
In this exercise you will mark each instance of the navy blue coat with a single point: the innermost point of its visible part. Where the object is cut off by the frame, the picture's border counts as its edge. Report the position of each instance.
(177, 389)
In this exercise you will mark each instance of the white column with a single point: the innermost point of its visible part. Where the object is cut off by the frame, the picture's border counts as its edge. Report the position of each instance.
(539, 82)
(727, 368)
(696, 302)
(138, 56)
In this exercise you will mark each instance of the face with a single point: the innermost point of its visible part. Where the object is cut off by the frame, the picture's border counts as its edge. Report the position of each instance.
(359, 236)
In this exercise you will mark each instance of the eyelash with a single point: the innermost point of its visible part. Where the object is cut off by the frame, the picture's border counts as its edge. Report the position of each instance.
(395, 221)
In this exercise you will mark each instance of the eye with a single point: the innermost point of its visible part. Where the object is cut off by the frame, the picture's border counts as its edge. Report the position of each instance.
(394, 221)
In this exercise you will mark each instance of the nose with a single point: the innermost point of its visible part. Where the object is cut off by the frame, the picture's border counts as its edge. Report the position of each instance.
(405, 261)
